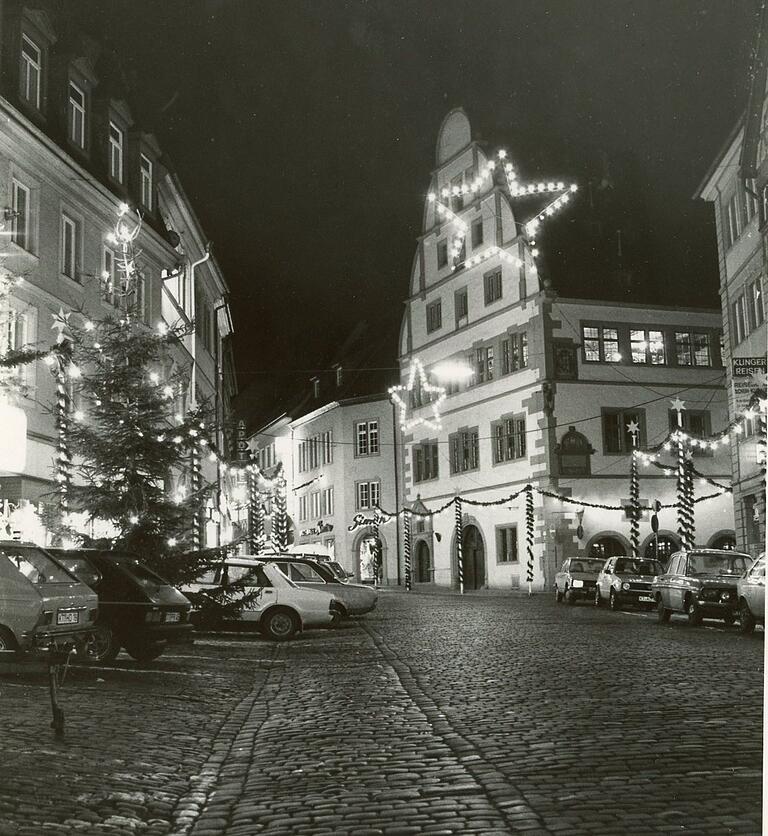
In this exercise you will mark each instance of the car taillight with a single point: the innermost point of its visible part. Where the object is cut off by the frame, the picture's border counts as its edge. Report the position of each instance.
(153, 615)
(46, 617)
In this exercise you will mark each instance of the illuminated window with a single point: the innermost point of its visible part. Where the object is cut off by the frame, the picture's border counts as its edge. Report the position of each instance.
(693, 347)
(647, 347)
(601, 345)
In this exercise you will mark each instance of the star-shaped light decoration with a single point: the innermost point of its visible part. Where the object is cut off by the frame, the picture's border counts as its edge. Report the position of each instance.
(61, 324)
(678, 405)
(633, 428)
(395, 393)
(558, 190)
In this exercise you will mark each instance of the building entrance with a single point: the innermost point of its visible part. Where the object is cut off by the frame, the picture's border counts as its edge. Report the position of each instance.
(474, 557)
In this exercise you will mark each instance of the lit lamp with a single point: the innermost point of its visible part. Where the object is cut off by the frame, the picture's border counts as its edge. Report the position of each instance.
(13, 438)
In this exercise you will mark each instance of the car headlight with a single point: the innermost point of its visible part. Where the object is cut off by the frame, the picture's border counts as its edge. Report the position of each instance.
(616, 584)
(577, 583)
(625, 586)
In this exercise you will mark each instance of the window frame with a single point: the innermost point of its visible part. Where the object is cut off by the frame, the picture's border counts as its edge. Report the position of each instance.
(464, 450)
(116, 152)
(74, 110)
(68, 220)
(461, 307)
(147, 182)
(434, 315)
(692, 351)
(27, 235)
(626, 414)
(477, 240)
(649, 356)
(502, 536)
(367, 435)
(442, 253)
(493, 286)
(601, 328)
(426, 459)
(24, 75)
(504, 441)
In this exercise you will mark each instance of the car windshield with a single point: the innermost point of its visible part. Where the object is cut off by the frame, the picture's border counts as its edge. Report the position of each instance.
(632, 566)
(37, 566)
(586, 565)
(717, 564)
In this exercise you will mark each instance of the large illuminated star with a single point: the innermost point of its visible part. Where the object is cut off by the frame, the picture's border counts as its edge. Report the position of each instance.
(678, 405)
(396, 393)
(559, 191)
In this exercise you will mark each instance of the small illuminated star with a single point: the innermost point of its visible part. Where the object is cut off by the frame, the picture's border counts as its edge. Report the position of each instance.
(678, 405)
(438, 391)
(634, 429)
(61, 324)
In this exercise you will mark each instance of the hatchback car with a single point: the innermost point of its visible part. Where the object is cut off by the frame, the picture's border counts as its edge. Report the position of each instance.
(41, 602)
(354, 598)
(702, 584)
(750, 590)
(263, 597)
(138, 610)
(627, 581)
(577, 578)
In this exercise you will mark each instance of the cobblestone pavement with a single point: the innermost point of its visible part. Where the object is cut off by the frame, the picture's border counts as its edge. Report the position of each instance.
(436, 714)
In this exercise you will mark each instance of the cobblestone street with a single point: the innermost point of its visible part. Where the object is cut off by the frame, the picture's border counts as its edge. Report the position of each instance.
(434, 714)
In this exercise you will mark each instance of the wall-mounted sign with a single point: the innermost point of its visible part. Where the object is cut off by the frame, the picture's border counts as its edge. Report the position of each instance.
(748, 376)
(378, 518)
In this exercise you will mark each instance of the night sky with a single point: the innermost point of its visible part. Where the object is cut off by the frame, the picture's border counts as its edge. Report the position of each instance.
(304, 132)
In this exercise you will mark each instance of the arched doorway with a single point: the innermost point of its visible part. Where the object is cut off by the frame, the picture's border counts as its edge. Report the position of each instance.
(473, 552)
(661, 548)
(423, 562)
(369, 559)
(605, 546)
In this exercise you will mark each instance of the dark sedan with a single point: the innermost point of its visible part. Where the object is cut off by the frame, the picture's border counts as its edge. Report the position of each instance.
(138, 610)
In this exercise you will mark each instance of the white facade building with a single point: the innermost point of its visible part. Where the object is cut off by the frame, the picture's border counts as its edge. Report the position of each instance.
(554, 382)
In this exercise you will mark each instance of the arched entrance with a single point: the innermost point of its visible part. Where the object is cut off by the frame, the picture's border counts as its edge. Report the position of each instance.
(473, 551)
(661, 548)
(369, 559)
(423, 562)
(723, 540)
(605, 546)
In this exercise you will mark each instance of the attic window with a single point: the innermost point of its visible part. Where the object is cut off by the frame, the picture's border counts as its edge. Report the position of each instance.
(339, 375)
(315, 386)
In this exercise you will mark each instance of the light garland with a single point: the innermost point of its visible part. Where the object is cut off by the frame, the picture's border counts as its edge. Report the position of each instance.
(407, 423)
(459, 543)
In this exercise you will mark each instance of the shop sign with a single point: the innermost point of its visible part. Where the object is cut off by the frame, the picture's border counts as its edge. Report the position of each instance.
(378, 518)
(320, 528)
(748, 376)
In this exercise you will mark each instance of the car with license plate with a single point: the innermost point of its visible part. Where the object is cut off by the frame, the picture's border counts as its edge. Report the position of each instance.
(138, 610)
(577, 578)
(42, 604)
(353, 598)
(702, 583)
(750, 589)
(263, 597)
(626, 581)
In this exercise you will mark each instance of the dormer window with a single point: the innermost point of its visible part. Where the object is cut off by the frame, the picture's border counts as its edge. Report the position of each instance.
(315, 386)
(76, 115)
(31, 71)
(147, 185)
(116, 152)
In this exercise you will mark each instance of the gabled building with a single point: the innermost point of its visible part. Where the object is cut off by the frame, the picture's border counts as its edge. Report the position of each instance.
(552, 384)
(737, 187)
(71, 152)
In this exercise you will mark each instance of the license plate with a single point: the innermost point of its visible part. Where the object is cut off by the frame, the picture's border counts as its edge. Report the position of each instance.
(172, 616)
(647, 598)
(67, 617)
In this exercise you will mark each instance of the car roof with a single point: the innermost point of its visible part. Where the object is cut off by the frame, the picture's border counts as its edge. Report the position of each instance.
(729, 552)
(20, 544)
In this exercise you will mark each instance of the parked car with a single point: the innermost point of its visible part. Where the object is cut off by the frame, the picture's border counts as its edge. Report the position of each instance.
(354, 598)
(138, 610)
(41, 602)
(577, 578)
(702, 584)
(627, 581)
(750, 589)
(271, 601)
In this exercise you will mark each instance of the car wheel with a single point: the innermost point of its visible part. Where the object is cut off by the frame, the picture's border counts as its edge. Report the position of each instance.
(102, 648)
(613, 601)
(729, 618)
(145, 651)
(338, 615)
(663, 612)
(558, 596)
(746, 619)
(693, 611)
(8, 642)
(279, 625)
(569, 597)
(598, 599)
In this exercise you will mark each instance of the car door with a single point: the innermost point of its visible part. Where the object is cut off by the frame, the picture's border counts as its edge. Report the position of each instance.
(676, 584)
(257, 591)
(754, 589)
(560, 576)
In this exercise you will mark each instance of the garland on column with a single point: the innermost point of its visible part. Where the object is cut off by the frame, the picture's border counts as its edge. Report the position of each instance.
(63, 460)
(376, 549)
(280, 516)
(634, 493)
(459, 543)
(529, 520)
(407, 548)
(197, 483)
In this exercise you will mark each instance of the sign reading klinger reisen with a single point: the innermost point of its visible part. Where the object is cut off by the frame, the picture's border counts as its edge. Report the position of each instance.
(747, 371)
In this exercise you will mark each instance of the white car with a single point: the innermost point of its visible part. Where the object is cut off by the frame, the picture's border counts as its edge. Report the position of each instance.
(354, 598)
(274, 603)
